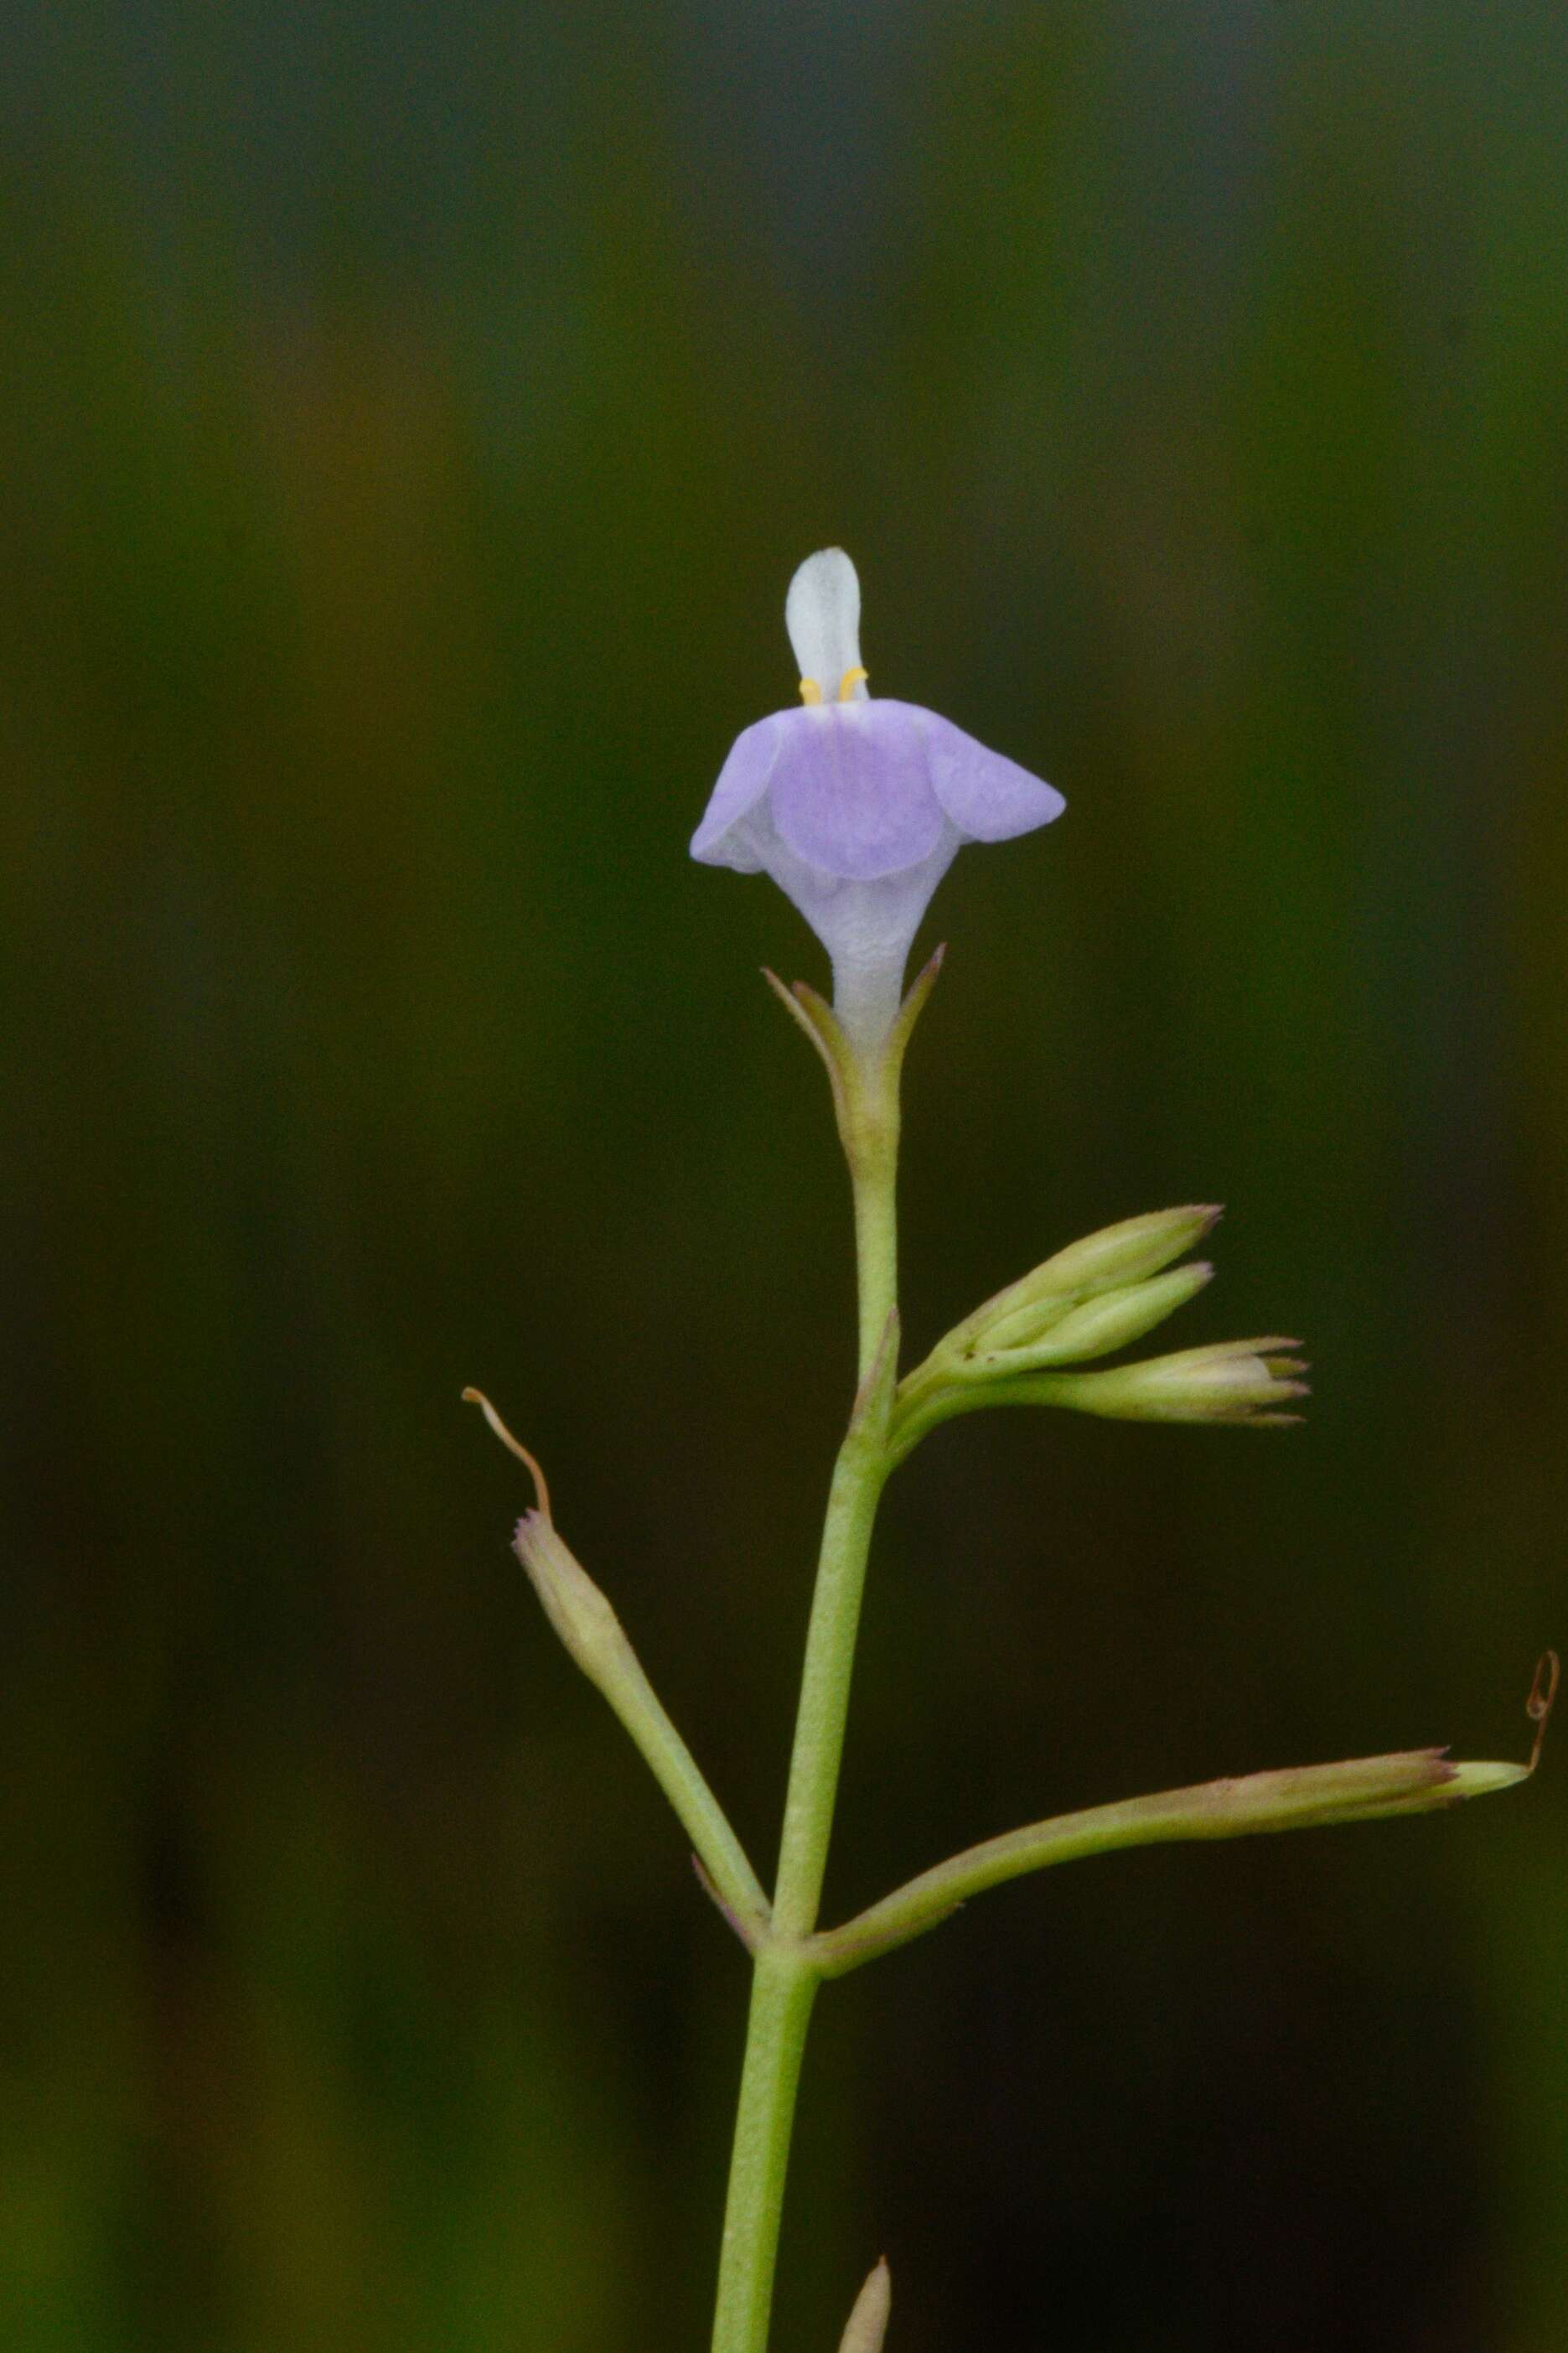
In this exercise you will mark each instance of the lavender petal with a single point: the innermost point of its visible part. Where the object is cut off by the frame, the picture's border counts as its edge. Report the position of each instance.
(852, 794)
(719, 840)
(988, 798)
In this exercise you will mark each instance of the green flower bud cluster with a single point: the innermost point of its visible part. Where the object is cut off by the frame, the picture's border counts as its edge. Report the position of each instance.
(1095, 1297)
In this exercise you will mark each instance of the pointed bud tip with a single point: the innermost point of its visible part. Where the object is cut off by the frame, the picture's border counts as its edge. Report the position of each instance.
(1481, 1780)
(868, 2323)
(1125, 1252)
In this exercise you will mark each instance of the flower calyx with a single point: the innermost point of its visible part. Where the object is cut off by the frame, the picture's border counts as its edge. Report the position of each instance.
(1097, 1296)
(865, 1086)
(1251, 1381)
(1100, 1294)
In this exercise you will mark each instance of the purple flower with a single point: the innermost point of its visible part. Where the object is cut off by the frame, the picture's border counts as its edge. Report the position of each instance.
(857, 807)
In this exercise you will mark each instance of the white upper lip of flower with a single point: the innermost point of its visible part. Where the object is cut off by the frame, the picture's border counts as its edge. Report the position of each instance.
(857, 807)
(822, 614)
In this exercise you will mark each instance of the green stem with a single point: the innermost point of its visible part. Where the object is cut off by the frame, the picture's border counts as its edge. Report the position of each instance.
(613, 1666)
(857, 1479)
(783, 1991)
(785, 1977)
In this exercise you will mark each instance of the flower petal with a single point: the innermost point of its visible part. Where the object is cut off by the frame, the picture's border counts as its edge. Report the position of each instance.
(989, 798)
(866, 927)
(742, 781)
(852, 793)
(822, 614)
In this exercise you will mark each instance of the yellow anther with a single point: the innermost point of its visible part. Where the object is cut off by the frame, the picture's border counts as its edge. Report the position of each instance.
(849, 681)
(809, 690)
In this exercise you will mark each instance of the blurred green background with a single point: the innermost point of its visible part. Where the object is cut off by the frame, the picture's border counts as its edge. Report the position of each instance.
(408, 422)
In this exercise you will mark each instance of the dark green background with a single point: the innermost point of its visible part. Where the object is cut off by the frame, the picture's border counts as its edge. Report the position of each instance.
(409, 419)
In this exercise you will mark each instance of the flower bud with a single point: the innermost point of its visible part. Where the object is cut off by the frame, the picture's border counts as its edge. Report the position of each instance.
(869, 2322)
(1111, 1260)
(1102, 1324)
(1235, 1380)
(1129, 1251)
